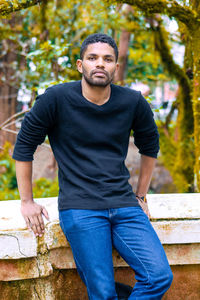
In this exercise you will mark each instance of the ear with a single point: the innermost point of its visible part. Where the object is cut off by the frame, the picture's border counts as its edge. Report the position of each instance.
(79, 65)
(117, 67)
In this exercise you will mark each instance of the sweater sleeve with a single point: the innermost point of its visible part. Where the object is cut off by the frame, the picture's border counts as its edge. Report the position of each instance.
(145, 132)
(35, 126)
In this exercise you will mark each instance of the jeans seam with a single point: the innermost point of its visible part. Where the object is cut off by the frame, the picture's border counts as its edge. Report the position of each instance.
(84, 276)
(61, 221)
(133, 253)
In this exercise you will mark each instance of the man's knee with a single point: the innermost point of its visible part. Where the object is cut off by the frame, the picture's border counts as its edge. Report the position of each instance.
(163, 279)
(168, 277)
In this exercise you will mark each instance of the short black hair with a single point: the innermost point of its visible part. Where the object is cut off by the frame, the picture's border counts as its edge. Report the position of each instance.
(98, 38)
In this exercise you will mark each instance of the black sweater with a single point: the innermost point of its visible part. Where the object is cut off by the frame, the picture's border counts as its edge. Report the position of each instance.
(90, 142)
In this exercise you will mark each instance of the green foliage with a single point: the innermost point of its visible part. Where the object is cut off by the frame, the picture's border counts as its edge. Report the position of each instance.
(168, 146)
(47, 39)
(44, 187)
(8, 184)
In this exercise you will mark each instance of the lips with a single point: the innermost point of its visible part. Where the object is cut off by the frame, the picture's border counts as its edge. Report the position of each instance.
(99, 73)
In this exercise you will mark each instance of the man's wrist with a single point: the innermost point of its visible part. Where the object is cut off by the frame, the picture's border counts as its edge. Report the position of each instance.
(143, 198)
(27, 200)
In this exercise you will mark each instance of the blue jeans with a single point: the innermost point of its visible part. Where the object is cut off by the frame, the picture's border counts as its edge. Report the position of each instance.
(92, 233)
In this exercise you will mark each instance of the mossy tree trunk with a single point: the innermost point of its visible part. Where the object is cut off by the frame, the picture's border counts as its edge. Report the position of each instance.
(190, 16)
(9, 6)
(181, 170)
(196, 102)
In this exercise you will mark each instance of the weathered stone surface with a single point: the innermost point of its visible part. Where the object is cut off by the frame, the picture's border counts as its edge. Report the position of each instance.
(66, 285)
(62, 258)
(174, 206)
(186, 283)
(183, 254)
(19, 269)
(178, 232)
(11, 218)
(54, 237)
(43, 267)
(17, 244)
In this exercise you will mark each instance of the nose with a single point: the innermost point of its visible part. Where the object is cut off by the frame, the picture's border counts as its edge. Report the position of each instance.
(100, 63)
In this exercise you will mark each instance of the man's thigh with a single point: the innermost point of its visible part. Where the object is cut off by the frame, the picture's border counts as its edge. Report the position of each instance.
(137, 242)
(89, 234)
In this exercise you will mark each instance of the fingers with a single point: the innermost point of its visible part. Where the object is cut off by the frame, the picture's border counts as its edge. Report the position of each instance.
(37, 225)
(41, 223)
(27, 222)
(32, 213)
(45, 213)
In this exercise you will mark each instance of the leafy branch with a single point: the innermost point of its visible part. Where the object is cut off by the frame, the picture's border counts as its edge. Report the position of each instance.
(169, 7)
(9, 6)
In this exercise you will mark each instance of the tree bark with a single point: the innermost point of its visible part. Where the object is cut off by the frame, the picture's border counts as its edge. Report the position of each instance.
(182, 171)
(123, 53)
(169, 7)
(9, 83)
(196, 104)
(123, 46)
(8, 93)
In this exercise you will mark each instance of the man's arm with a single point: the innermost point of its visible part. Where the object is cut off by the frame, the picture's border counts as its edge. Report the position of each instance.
(34, 129)
(147, 164)
(146, 139)
(31, 211)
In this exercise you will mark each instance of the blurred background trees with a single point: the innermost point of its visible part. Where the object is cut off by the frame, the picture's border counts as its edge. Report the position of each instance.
(158, 49)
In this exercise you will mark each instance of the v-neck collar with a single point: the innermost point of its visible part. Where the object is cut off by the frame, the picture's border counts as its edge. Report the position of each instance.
(92, 104)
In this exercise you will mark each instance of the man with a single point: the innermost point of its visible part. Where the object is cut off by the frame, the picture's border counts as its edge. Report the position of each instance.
(88, 124)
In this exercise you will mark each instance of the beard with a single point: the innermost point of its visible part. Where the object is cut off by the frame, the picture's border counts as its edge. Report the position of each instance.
(101, 81)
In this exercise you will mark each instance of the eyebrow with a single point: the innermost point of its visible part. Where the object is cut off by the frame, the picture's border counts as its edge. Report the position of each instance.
(107, 55)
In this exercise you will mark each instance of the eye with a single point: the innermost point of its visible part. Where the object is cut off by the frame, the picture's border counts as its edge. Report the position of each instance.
(108, 59)
(91, 58)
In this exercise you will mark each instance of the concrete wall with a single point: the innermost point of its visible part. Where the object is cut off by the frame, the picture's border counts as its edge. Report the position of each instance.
(43, 268)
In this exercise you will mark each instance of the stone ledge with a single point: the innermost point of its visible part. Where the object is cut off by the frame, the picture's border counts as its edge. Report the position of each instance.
(162, 207)
(178, 232)
(175, 217)
(23, 244)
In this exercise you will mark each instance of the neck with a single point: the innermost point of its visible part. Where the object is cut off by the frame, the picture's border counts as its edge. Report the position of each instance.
(96, 94)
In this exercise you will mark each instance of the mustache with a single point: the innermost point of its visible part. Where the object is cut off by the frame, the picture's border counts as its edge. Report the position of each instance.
(99, 71)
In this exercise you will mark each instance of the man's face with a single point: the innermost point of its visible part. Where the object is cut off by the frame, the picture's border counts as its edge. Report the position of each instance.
(98, 65)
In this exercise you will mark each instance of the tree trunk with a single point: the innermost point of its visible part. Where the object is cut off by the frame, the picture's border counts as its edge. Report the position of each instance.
(196, 104)
(9, 83)
(123, 53)
(8, 92)
(181, 170)
(195, 34)
(123, 48)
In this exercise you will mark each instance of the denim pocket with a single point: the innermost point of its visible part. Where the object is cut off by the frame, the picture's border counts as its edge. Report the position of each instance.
(75, 220)
(65, 218)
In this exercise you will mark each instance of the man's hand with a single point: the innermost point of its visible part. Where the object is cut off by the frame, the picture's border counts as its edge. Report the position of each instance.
(144, 205)
(32, 213)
